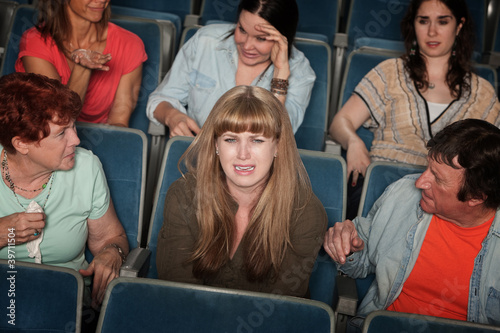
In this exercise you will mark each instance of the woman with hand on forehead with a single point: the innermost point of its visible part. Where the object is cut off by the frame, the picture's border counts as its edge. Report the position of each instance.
(256, 51)
(244, 215)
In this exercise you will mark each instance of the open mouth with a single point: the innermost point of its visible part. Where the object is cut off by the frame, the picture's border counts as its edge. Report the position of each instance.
(248, 168)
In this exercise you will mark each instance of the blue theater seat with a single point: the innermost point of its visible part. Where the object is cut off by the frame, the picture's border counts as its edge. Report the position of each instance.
(396, 322)
(146, 305)
(318, 20)
(7, 9)
(379, 175)
(123, 154)
(39, 298)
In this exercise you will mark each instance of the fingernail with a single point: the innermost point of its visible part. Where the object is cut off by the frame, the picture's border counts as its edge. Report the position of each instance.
(353, 184)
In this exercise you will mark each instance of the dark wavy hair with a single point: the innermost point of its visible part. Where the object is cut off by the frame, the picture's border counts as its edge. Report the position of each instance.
(53, 21)
(29, 102)
(281, 14)
(460, 65)
(476, 143)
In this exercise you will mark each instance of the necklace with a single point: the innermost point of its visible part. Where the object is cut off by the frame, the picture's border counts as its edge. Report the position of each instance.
(431, 85)
(5, 167)
(12, 186)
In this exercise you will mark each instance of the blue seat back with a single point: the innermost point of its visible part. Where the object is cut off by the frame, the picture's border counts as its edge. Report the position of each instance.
(317, 21)
(320, 17)
(395, 322)
(488, 73)
(220, 11)
(311, 133)
(122, 152)
(117, 11)
(7, 9)
(327, 175)
(359, 63)
(145, 305)
(181, 8)
(25, 17)
(372, 22)
(379, 175)
(478, 10)
(169, 173)
(40, 298)
(150, 33)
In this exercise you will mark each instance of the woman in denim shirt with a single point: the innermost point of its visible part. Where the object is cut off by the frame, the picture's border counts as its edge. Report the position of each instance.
(257, 51)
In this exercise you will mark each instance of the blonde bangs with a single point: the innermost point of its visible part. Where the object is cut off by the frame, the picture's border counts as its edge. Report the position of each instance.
(243, 114)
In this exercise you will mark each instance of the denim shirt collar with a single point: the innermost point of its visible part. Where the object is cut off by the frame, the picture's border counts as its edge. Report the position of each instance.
(495, 227)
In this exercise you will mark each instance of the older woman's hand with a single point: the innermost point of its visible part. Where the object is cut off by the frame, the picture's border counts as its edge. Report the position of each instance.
(105, 267)
(23, 226)
(279, 52)
(91, 59)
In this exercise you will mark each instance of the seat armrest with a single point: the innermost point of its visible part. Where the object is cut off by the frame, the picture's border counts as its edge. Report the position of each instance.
(347, 296)
(492, 59)
(340, 40)
(156, 130)
(191, 19)
(137, 263)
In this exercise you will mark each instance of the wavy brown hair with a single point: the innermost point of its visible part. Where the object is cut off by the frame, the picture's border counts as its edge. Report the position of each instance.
(256, 110)
(460, 66)
(53, 22)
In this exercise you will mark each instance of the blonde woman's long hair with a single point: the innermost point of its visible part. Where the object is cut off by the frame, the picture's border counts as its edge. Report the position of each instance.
(256, 110)
(54, 22)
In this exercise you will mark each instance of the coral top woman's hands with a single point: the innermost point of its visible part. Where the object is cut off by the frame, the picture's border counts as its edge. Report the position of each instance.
(91, 59)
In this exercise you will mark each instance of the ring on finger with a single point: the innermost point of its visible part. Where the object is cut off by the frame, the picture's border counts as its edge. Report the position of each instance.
(36, 233)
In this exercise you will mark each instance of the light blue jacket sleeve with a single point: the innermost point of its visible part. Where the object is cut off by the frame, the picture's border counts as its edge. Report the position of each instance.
(301, 82)
(174, 88)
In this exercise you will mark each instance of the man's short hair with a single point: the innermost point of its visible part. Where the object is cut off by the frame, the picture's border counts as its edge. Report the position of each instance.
(476, 143)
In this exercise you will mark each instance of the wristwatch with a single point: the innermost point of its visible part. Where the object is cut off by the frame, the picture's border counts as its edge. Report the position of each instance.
(118, 248)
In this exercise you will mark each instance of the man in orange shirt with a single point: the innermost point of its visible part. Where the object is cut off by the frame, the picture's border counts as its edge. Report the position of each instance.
(433, 241)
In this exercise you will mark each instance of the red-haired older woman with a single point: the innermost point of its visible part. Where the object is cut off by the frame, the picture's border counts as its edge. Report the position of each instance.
(41, 163)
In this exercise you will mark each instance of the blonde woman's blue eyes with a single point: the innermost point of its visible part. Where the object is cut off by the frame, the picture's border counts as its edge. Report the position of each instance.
(230, 140)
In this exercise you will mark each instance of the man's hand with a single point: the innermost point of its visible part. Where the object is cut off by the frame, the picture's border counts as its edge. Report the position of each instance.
(341, 240)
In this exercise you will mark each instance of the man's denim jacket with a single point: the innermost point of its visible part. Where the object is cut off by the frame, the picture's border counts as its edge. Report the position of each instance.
(393, 233)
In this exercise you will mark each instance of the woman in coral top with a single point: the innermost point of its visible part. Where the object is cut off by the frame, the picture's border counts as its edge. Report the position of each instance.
(73, 42)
